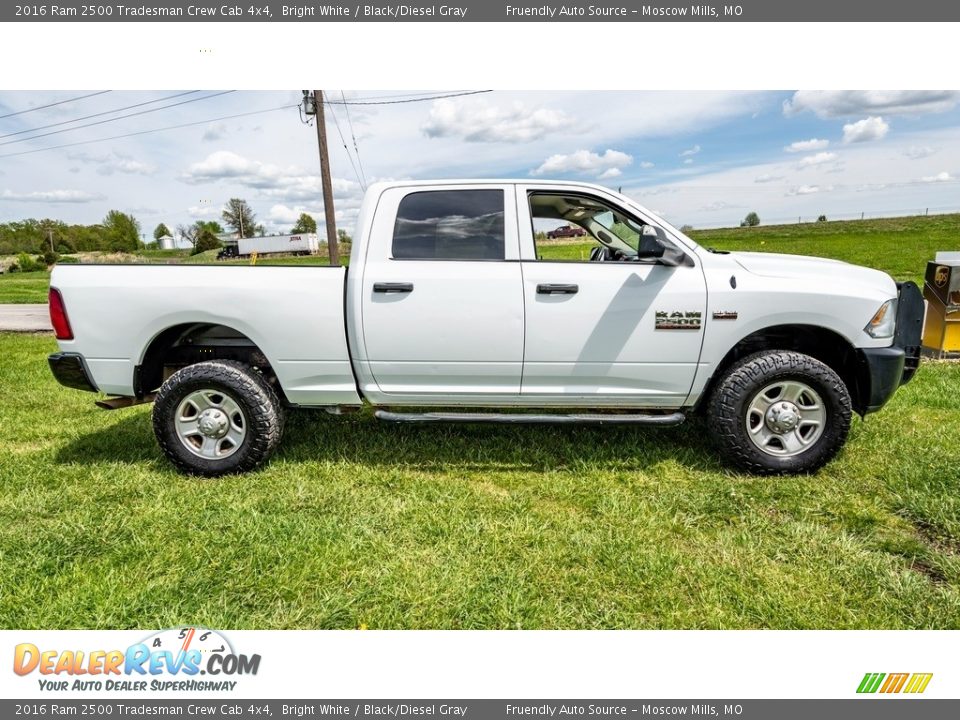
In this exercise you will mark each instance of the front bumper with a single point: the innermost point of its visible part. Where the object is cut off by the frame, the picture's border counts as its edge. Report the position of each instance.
(70, 370)
(883, 370)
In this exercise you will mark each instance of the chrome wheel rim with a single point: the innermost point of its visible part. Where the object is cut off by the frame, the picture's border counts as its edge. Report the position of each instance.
(210, 424)
(785, 418)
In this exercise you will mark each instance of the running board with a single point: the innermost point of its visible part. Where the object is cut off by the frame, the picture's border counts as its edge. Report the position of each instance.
(531, 419)
(123, 401)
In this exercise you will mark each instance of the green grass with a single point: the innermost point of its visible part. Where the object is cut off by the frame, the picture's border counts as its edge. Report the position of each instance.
(24, 287)
(359, 523)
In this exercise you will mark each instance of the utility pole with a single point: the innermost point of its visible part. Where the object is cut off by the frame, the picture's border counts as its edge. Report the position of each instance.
(325, 177)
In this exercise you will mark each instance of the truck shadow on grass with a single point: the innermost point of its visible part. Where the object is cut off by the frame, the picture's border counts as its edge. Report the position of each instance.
(314, 436)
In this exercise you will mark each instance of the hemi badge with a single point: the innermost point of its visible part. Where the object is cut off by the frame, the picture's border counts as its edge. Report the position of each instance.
(725, 315)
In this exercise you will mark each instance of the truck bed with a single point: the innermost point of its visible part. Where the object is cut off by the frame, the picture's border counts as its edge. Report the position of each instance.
(294, 315)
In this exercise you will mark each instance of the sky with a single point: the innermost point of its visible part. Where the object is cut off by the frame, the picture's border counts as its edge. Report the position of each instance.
(703, 159)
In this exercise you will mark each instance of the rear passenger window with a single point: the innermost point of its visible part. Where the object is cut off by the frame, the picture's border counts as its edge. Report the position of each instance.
(450, 225)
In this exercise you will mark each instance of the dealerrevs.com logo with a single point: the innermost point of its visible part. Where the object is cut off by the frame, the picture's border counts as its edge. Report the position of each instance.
(172, 659)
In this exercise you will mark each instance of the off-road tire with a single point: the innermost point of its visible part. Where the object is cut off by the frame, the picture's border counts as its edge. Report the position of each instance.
(727, 408)
(262, 410)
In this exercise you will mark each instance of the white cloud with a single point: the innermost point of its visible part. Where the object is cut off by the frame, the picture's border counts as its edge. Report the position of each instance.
(844, 103)
(610, 173)
(585, 162)
(918, 152)
(688, 161)
(767, 178)
(646, 164)
(214, 131)
(690, 151)
(52, 196)
(288, 184)
(718, 205)
(286, 215)
(817, 159)
(113, 162)
(203, 211)
(479, 121)
(871, 128)
(939, 177)
(804, 190)
(807, 145)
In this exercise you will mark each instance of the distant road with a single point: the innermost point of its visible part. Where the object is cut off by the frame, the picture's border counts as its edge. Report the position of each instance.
(25, 318)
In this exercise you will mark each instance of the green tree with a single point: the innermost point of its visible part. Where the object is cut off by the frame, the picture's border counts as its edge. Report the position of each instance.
(305, 224)
(206, 240)
(211, 225)
(751, 220)
(160, 230)
(238, 215)
(121, 231)
(343, 236)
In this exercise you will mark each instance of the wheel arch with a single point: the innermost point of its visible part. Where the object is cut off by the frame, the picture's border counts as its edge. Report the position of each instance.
(187, 343)
(824, 344)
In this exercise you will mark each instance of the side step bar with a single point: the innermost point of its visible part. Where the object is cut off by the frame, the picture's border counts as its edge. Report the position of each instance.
(532, 419)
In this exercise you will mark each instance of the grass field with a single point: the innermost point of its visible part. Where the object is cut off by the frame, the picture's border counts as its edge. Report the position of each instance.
(358, 523)
(901, 246)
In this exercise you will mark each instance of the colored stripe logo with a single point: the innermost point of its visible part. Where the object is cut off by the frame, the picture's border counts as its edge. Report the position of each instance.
(894, 683)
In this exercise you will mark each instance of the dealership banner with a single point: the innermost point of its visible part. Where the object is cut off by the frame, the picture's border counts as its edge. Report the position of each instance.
(525, 675)
(484, 11)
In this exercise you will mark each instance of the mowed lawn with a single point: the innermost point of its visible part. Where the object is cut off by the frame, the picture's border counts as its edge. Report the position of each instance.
(357, 523)
(20, 288)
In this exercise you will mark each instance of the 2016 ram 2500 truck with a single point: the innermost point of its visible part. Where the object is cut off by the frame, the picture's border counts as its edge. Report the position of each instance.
(448, 304)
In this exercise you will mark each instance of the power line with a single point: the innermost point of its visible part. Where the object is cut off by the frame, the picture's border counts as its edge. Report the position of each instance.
(54, 104)
(147, 132)
(411, 100)
(346, 149)
(122, 117)
(356, 148)
(99, 114)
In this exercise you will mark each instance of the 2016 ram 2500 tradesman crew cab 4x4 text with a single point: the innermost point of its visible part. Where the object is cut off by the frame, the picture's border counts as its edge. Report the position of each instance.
(448, 303)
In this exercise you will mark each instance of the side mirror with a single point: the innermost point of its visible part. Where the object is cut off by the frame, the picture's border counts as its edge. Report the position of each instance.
(650, 244)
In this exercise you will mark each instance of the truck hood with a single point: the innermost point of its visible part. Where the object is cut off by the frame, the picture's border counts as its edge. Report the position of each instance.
(803, 267)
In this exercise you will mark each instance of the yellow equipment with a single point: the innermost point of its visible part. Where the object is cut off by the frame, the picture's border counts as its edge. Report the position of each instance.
(941, 290)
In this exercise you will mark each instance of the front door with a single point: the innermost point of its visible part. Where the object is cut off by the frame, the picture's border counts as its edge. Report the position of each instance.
(607, 322)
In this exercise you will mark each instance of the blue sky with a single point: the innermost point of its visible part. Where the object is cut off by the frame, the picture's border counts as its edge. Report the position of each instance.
(698, 158)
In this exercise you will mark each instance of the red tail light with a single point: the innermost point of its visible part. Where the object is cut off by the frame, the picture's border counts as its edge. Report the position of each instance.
(58, 316)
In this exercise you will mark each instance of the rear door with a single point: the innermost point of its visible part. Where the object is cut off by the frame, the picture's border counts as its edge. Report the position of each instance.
(620, 333)
(442, 295)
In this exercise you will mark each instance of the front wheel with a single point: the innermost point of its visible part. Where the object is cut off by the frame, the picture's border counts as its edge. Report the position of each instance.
(779, 412)
(217, 417)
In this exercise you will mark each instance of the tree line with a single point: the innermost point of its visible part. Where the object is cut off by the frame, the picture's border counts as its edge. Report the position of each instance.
(117, 231)
(121, 232)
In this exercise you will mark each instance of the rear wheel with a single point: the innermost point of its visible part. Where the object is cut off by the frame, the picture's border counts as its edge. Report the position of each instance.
(780, 412)
(217, 417)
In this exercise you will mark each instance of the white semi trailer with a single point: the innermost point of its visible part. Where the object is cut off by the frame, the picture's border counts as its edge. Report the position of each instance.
(299, 244)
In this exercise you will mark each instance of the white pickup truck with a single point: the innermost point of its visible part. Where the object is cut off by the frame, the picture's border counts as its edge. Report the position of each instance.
(457, 308)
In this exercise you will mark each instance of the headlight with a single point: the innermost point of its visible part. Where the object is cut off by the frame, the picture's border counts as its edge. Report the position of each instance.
(884, 322)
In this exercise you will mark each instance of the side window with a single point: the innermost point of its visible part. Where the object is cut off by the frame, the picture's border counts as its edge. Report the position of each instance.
(450, 225)
(581, 228)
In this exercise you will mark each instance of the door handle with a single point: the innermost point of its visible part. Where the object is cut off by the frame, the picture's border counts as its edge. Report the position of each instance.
(548, 289)
(393, 287)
